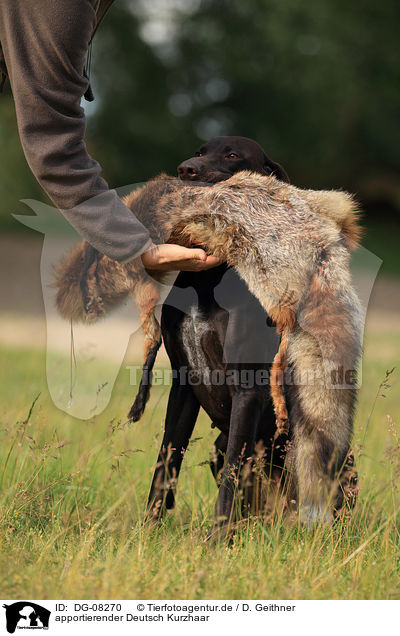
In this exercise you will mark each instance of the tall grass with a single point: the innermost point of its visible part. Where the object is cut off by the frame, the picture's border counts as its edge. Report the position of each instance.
(73, 497)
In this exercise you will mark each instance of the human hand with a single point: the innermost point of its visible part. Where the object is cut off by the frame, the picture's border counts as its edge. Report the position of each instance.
(167, 257)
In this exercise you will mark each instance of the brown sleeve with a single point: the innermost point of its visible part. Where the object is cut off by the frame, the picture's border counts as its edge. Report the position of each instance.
(44, 45)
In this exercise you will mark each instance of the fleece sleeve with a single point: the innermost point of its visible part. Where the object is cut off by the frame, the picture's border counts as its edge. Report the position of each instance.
(44, 45)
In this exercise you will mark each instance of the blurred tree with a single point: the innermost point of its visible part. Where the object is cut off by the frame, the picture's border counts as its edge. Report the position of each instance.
(16, 180)
(317, 84)
(132, 128)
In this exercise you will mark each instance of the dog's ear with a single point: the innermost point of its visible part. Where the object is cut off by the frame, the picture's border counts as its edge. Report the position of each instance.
(272, 167)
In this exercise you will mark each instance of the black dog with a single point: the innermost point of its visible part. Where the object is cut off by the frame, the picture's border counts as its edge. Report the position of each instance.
(221, 345)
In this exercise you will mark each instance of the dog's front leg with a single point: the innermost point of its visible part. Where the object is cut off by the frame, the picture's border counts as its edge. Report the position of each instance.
(246, 408)
(182, 411)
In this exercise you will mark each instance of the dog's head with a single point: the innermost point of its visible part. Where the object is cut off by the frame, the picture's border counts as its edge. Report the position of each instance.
(221, 157)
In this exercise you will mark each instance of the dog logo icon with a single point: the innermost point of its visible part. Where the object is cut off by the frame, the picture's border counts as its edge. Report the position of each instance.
(26, 615)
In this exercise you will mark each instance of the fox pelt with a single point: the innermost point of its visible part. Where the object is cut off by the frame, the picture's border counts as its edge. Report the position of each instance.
(290, 246)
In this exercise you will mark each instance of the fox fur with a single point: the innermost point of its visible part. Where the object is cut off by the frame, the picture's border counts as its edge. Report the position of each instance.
(292, 248)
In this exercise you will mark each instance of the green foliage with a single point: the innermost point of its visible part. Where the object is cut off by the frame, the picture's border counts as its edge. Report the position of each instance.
(315, 83)
(382, 239)
(16, 180)
(132, 130)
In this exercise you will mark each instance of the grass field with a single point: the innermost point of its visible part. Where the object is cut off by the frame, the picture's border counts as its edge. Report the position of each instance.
(73, 495)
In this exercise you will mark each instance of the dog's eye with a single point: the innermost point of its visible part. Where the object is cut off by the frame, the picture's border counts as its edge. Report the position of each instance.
(198, 153)
(232, 155)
